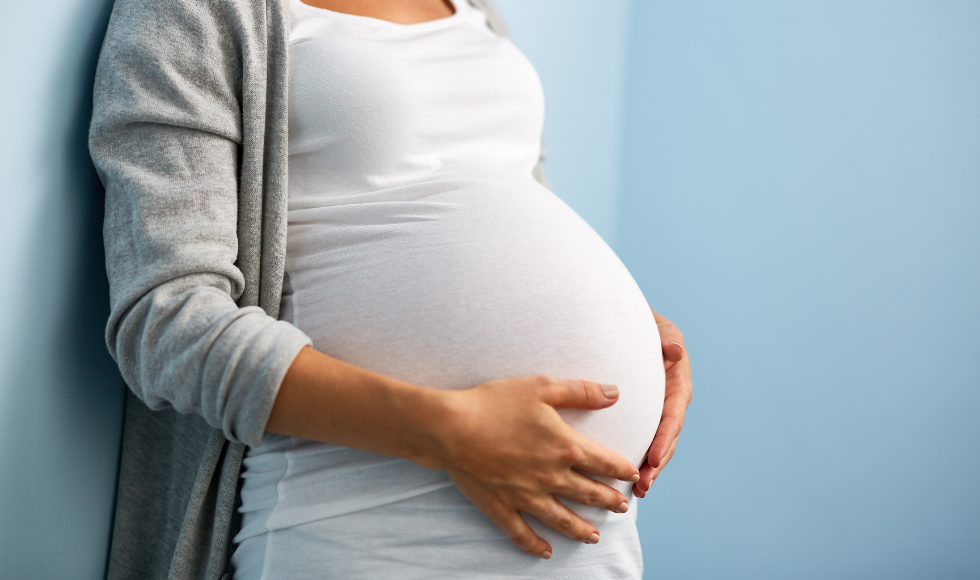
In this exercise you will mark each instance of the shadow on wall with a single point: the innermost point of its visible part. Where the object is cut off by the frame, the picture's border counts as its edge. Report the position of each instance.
(62, 409)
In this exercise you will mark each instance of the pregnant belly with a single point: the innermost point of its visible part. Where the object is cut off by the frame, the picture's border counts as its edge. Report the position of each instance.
(451, 284)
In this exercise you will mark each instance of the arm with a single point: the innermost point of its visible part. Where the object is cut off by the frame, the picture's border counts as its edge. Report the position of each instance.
(678, 392)
(479, 436)
(166, 138)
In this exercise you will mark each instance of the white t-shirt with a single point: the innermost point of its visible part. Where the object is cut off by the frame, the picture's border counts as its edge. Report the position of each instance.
(420, 246)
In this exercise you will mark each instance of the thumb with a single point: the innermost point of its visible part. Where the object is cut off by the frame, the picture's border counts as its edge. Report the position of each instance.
(576, 394)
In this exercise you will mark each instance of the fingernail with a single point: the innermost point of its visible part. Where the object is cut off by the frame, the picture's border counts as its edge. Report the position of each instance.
(546, 555)
(635, 478)
(610, 391)
(593, 539)
(623, 508)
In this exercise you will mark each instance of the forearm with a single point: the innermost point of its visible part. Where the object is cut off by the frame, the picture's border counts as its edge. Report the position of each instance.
(502, 443)
(325, 399)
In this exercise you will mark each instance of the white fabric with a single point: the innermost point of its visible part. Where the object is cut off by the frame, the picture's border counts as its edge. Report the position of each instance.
(420, 246)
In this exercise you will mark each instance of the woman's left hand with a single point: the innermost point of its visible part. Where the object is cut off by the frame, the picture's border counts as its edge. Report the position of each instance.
(678, 391)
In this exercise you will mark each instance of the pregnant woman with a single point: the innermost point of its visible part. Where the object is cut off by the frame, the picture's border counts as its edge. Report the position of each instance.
(439, 368)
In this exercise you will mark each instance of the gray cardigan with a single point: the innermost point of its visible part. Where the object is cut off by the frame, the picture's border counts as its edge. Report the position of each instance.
(189, 138)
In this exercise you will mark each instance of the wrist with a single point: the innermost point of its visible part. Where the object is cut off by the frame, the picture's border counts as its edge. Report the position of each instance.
(430, 414)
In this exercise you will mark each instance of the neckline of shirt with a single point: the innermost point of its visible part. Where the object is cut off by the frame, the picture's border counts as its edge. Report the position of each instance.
(372, 21)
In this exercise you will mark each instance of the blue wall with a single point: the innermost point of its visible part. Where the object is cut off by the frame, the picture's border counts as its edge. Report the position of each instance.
(60, 395)
(579, 48)
(801, 193)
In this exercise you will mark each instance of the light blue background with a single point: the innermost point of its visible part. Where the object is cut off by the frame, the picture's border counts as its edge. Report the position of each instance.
(796, 184)
(811, 174)
(60, 394)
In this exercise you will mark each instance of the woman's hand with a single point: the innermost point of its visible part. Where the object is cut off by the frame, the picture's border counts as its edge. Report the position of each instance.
(502, 442)
(508, 450)
(678, 391)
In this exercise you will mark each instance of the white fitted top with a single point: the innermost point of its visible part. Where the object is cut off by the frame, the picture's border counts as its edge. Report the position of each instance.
(420, 246)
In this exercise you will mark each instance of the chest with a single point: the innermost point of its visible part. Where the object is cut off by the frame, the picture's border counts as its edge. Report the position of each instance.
(373, 93)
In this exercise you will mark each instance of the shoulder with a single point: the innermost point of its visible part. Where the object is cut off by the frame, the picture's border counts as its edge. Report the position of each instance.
(191, 30)
(186, 56)
(186, 24)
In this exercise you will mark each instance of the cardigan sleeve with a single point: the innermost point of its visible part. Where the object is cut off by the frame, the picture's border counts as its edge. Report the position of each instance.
(165, 137)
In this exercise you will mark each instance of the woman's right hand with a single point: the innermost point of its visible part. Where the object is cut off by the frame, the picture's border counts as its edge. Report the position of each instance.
(508, 450)
(502, 442)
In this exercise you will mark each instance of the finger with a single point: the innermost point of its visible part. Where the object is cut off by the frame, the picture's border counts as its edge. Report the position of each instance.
(673, 350)
(646, 473)
(667, 433)
(678, 396)
(519, 532)
(667, 329)
(506, 518)
(649, 473)
(659, 469)
(556, 516)
(575, 394)
(586, 491)
(600, 461)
